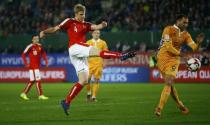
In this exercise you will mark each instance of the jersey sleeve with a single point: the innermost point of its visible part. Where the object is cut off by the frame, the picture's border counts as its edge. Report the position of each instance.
(27, 49)
(24, 58)
(65, 24)
(88, 26)
(190, 42)
(44, 56)
(167, 42)
(166, 35)
(105, 47)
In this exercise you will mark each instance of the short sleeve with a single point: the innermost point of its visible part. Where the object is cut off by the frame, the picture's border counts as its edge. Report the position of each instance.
(190, 41)
(105, 47)
(65, 24)
(27, 49)
(88, 26)
(166, 34)
(42, 49)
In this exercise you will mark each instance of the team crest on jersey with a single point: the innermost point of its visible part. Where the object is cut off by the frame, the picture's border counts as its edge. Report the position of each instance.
(166, 38)
(173, 68)
(35, 52)
(75, 28)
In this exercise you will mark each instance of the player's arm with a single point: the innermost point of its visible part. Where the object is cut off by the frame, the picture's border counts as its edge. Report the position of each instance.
(24, 59)
(48, 31)
(44, 56)
(105, 61)
(63, 25)
(168, 43)
(199, 39)
(100, 26)
(24, 55)
(170, 48)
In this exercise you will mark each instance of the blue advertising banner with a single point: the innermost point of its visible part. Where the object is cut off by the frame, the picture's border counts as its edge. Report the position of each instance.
(54, 60)
(111, 74)
(16, 60)
(125, 74)
(13, 60)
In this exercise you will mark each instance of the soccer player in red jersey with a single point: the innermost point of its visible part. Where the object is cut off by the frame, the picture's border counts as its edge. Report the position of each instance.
(35, 52)
(79, 51)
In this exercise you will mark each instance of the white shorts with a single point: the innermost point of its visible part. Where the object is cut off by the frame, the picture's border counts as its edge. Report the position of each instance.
(79, 57)
(34, 75)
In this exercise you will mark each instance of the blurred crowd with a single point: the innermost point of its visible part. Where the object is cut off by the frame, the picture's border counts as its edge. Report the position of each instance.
(30, 16)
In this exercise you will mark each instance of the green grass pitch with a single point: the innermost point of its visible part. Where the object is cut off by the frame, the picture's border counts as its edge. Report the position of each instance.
(118, 104)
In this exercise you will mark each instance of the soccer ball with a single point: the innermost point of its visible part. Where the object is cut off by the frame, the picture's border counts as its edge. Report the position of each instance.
(193, 64)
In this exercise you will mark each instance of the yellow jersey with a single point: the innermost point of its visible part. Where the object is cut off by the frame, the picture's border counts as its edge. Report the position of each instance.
(101, 45)
(172, 41)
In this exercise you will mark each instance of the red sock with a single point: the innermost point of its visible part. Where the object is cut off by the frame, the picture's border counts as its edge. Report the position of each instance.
(109, 54)
(74, 91)
(28, 87)
(39, 87)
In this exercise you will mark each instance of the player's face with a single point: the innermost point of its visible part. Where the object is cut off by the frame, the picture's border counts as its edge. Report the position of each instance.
(183, 24)
(80, 16)
(96, 34)
(35, 39)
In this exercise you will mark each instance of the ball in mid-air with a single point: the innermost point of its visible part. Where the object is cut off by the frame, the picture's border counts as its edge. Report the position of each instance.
(193, 64)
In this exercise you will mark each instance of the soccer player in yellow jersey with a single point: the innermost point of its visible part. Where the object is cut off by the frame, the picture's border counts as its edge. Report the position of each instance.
(96, 65)
(168, 58)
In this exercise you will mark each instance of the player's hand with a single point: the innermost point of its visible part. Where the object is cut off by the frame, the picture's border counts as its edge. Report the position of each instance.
(41, 34)
(200, 37)
(104, 24)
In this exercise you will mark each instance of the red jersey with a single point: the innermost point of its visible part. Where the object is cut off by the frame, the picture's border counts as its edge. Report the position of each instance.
(76, 30)
(35, 51)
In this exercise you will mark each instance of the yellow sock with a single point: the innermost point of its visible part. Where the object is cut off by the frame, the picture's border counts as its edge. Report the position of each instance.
(95, 89)
(88, 89)
(164, 96)
(175, 96)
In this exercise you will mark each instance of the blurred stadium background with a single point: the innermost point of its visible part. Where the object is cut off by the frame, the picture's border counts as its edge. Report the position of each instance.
(133, 25)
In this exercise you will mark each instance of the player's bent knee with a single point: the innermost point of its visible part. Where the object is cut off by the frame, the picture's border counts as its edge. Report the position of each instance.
(83, 82)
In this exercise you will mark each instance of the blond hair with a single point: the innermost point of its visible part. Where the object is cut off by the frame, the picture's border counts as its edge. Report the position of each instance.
(78, 8)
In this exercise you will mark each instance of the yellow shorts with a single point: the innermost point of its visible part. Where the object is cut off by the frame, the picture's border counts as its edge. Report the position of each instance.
(169, 67)
(95, 71)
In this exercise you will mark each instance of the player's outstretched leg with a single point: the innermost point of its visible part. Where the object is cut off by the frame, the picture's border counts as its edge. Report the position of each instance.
(127, 55)
(163, 99)
(122, 56)
(179, 103)
(65, 104)
(184, 109)
(65, 107)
